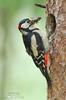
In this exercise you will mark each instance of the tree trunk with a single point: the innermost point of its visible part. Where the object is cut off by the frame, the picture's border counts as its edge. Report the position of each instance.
(58, 57)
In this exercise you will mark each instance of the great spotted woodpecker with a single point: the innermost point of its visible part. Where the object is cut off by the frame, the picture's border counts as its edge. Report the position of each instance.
(36, 44)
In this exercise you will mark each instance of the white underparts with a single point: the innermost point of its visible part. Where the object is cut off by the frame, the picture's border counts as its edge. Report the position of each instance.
(31, 27)
(24, 32)
(45, 42)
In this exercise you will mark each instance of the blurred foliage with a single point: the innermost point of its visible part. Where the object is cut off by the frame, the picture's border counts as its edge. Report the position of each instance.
(12, 6)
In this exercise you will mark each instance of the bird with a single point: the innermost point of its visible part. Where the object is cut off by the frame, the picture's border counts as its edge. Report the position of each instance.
(36, 44)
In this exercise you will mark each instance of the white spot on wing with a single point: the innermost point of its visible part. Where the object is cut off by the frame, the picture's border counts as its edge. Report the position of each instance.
(44, 39)
(34, 46)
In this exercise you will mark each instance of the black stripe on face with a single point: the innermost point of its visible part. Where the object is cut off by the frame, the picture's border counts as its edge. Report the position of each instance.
(28, 30)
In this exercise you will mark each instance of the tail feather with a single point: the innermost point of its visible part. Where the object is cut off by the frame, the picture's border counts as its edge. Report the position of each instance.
(48, 78)
(45, 73)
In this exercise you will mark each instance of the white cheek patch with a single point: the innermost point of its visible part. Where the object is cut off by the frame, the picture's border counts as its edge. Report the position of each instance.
(25, 25)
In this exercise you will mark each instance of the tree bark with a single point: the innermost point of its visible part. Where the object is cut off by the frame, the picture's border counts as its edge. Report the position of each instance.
(58, 57)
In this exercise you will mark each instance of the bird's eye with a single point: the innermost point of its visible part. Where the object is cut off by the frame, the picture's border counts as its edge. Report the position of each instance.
(28, 21)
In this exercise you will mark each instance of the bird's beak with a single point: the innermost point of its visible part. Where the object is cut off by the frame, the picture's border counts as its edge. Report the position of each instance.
(33, 21)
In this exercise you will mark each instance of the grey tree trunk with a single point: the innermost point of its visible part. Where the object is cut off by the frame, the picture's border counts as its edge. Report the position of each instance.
(58, 58)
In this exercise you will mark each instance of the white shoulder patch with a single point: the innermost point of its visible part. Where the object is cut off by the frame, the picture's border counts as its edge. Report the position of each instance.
(34, 45)
(44, 39)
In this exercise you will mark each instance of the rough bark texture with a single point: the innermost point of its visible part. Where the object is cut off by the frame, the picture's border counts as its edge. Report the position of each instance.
(58, 58)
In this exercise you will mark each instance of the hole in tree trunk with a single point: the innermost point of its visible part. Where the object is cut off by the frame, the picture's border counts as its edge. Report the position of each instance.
(50, 24)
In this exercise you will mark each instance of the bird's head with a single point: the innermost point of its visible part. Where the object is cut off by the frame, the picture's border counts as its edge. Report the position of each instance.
(27, 25)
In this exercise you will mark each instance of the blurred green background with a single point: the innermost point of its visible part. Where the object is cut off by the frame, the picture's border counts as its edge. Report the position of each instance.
(19, 77)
